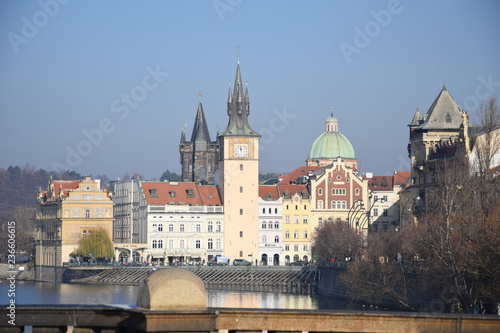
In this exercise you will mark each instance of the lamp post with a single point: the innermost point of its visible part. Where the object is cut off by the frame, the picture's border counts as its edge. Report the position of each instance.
(355, 209)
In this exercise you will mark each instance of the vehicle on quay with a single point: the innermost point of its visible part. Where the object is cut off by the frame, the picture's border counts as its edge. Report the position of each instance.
(241, 262)
(218, 261)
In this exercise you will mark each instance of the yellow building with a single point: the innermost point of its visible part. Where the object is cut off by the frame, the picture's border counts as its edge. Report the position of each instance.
(68, 211)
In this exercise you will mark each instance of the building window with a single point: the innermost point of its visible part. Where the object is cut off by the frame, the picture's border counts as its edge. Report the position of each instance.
(241, 234)
(276, 239)
(87, 213)
(375, 212)
(182, 243)
(241, 254)
(155, 227)
(296, 249)
(275, 210)
(172, 194)
(241, 167)
(320, 191)
(170, 243)
(287, 219)
(263, 210)
(153, 193)
(295, 234)
(210, 226)
(296, 219)
(287, 234)
(160, 244)
(264, 225)
(287, 247)
(276, 225)
(241, 211)
(210, 244)
(305, 248)
(218, 227)
(385, 198)
(160, 227)
(305, 234)
(343, 205)
(198, 228)
(385, 212)
(198, 244)
(320, 204)
(264, 239)
(320, 221)
(181, 228)
(155, 243)
(304, 220)
(357, 191)
(333, 205)
(270, 225)
(218, 244)
(241, 189)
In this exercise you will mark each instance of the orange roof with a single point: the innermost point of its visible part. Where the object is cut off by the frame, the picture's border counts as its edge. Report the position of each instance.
(180, 193)
(380, 183)
(299, 172)
(401, 177)
(292, 189)
(265, 190)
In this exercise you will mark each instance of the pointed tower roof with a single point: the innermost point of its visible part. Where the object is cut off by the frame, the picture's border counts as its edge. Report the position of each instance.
(200, 129)
(417, 119)
(443, 113)
(238, 109)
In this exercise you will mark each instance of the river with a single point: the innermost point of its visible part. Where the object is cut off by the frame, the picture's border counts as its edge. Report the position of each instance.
(48, 293)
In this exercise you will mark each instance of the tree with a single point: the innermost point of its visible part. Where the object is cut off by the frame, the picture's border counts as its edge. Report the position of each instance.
(97, 244)
(336, 241)
(167, 175)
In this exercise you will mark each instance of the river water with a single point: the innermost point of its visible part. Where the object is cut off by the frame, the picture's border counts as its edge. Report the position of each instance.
(48, 293)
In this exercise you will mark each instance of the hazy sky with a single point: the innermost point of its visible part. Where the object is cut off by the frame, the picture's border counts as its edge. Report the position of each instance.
(104, 87)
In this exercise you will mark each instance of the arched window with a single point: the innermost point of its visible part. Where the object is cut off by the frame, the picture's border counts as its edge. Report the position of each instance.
(198, 244)
(333, 204)
(276, 239)
(155, 227)
(210, 226)
(160, 244)
(276, 225)
(320, 204)
(287, 234)
(155, 243)
(264, 239)
(305, 234)
(218, 244)
(171, 227)
(198, 228)
(357, 191)
(296, 257)
(160, 227)
(218, 227)
(170, 243)
(210, 244)
(339, 205)
(269, 225)
(295, 234)
(182, 243)
(269, 210)
(320, 191)
(181, 227)
(343, 205)
(264, 225)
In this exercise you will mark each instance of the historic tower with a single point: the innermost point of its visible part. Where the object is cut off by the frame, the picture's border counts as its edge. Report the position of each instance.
(199, 156)
(238, 177)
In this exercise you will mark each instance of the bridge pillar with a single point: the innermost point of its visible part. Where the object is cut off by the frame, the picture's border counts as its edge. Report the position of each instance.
(172, 289)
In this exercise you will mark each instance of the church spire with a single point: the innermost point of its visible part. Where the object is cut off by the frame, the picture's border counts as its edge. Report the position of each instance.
(238, 108)
(200, 128)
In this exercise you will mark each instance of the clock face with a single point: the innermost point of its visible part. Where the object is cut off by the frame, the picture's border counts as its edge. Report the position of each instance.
(241, 150)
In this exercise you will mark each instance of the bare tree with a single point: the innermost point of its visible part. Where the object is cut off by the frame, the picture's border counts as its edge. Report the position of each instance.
(336, 241)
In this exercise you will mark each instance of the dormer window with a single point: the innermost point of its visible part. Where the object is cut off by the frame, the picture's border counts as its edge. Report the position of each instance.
(190, 193)
(172, 194)
(153, 193)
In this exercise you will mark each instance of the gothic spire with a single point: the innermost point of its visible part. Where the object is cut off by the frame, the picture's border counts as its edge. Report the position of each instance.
(200, 128)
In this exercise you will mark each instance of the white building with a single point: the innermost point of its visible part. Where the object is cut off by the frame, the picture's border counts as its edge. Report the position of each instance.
(270, 226)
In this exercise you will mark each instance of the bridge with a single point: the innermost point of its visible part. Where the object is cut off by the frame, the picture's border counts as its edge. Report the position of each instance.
(295, 280)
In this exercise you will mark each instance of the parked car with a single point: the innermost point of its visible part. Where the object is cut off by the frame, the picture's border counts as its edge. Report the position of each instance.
(241, 262)
(298, 263)
(218, 261)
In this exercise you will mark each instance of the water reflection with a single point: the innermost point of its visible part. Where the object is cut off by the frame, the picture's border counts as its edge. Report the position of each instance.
(47, 293)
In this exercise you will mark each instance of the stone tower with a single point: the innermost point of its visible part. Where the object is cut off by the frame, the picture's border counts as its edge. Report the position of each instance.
(199, 156)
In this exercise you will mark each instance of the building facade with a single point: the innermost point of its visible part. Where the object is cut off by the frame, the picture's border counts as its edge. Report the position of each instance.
(270, 226)
(66, 212)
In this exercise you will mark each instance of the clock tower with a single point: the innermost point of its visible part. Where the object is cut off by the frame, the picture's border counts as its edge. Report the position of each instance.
(239, 177)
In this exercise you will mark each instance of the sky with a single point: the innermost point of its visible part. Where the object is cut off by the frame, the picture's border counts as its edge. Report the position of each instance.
(105, 87)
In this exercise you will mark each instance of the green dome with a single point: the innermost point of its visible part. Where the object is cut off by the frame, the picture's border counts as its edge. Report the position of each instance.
(331, 145)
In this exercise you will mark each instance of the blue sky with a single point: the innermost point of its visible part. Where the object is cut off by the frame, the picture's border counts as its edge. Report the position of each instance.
(68, 66)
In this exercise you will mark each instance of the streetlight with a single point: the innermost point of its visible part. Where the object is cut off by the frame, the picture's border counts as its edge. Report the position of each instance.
(355, 209)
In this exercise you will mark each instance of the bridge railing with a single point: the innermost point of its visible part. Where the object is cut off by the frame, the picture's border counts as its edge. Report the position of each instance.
(88, 319)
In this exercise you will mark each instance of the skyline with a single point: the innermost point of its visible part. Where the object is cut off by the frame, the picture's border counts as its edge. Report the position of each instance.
(69, 66)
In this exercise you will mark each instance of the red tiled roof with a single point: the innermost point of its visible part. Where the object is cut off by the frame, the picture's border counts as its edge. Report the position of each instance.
(265, 190)
(381, 183)
(300, 171)
(292, 189)
(180, 193)
(401, 177)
